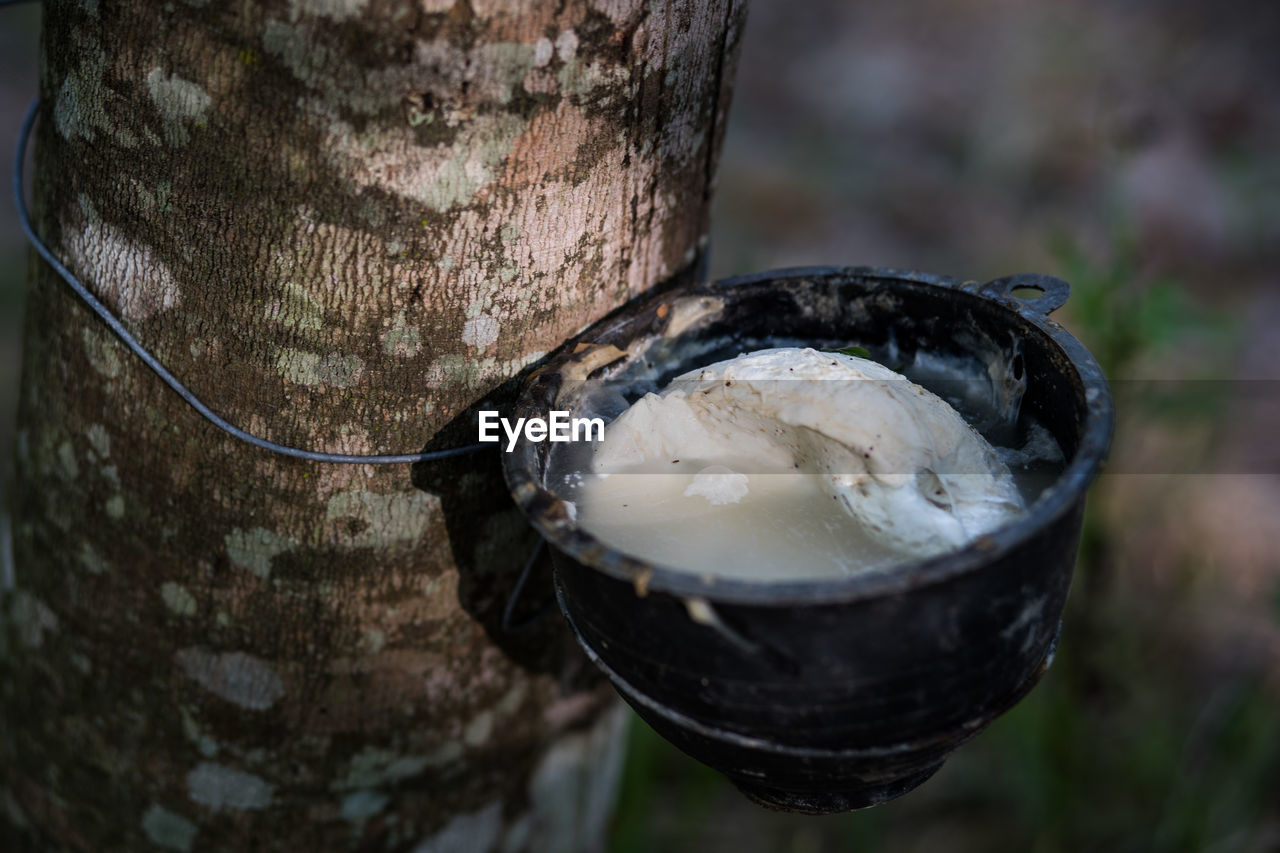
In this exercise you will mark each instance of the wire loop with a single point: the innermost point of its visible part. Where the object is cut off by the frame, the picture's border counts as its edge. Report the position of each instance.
(159, 369)
(508, 612)
(217, 420)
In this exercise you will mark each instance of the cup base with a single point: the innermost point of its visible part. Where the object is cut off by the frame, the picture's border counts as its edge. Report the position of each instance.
(833, 802)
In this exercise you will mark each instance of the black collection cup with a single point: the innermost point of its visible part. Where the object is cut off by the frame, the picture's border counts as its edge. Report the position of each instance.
(828, 695)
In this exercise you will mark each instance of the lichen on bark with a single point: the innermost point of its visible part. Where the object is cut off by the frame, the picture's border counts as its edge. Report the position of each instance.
(343, 223)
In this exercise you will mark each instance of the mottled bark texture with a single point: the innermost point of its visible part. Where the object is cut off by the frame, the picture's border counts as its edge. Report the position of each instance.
(343, 222)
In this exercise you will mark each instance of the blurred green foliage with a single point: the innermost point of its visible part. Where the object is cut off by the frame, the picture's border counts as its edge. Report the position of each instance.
(1125, 315)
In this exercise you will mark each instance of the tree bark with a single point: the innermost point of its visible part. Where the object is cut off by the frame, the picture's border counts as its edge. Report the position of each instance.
(344, 223)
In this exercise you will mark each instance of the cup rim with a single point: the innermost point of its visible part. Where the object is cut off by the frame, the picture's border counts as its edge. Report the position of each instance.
(549, 516)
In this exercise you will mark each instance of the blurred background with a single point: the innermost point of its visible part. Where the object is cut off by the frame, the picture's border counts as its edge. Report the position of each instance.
(19, 43)
(1132, 148)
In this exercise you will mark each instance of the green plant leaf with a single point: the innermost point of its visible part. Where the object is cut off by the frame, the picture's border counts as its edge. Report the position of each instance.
(855, 350)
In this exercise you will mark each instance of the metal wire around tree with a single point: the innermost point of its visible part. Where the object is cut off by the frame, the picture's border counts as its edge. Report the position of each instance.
(159, 369)
(509, 624)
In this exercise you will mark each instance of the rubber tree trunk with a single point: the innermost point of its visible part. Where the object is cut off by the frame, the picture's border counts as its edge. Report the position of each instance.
(344, 223)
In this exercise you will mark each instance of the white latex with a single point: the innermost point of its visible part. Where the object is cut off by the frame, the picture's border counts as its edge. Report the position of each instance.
(898, 459)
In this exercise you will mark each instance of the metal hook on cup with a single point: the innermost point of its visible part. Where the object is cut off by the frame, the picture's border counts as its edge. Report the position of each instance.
(1053, 292)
